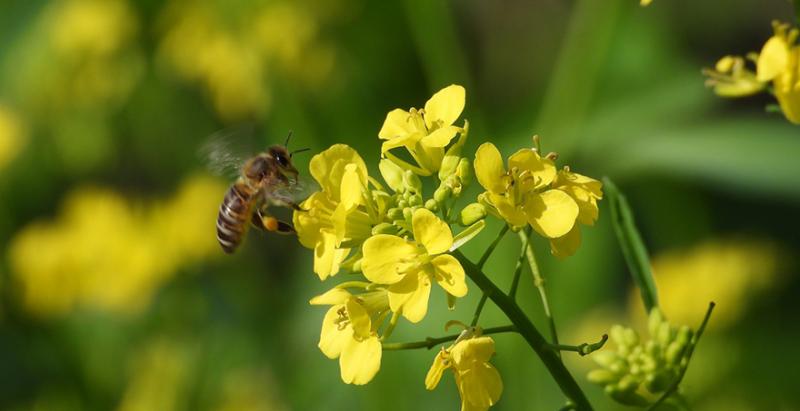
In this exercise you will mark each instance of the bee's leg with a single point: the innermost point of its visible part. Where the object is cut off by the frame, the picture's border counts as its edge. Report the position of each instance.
(269, 223)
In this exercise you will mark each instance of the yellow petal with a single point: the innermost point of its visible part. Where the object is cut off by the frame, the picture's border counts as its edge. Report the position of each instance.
(309, 224)
(489, 168)
(332, 339)
(445, 106)
(331, 297)
(440, 364)
(481, 386)
(351, 186)
(327, 257)
(479, 349)
(440, 138)
(392, 174)
(773, 59)
(397, 124)
(433, 233)
(450, 274)
(534, 170)
(386, 258)
(407, 140)
(513, 214)
(567, 244)
(328, 167)
(360, 360)
(552, 214)
(411, 296)
(359, 318)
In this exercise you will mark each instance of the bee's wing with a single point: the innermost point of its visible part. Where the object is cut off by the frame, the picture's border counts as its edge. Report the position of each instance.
(225, 151)
(293, 192)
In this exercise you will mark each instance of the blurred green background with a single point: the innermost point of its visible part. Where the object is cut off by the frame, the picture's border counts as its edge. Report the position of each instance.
(115, 295)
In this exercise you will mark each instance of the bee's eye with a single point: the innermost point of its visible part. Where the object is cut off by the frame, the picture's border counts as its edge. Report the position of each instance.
(282, 160)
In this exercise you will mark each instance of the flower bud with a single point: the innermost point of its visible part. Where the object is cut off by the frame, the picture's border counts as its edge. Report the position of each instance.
(395, 214)
(441, 194)
(432, 205)
(402, 204)
(384, 228)
(464, 171)
(408, 213)
(601, 376)
(654, 321)
(472, 213)
(412, 182)
(674, 352)
(665, 334)
(605, 358)
(415, 200)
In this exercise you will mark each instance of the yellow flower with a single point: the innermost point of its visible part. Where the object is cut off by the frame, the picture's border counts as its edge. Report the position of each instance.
(585, 191)
(409, 266)
(522, 195)
(424, 133)
(349, 333)
(12, 135)
(778, 62)
(341, 211)
(478, 382)
(731, 78)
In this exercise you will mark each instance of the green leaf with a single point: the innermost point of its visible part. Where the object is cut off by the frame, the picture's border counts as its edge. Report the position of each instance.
(633, 247)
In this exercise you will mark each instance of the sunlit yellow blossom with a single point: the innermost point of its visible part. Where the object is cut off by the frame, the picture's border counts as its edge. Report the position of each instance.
(12, 135)
(349, 332)
(410, 266)
(478, 382)
(339, 212)
(522, 195)
(779, 62)
(585, 191)
(104, 253)
(731, 273)
(424, 133)
(645, 2)
(731, 78)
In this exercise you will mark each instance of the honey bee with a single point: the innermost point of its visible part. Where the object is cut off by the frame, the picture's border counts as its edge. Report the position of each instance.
(267, 179)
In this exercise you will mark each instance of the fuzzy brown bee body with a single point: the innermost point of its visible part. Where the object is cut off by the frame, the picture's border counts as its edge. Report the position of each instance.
(266, 179)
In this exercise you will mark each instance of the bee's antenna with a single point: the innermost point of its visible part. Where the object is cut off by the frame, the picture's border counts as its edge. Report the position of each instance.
(298, 151)
(286, 144)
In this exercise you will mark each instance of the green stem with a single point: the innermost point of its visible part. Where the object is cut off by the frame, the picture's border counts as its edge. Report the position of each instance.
(566, 382)
(518, 270)
(632, 245)
(481, 263)
(674, 387)
(431, 342)
(538, 281)
(582, 349)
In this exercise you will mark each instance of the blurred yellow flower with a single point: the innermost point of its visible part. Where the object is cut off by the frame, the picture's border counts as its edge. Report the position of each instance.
(731, 78)
(409, 266)
(728, 272)
(424, 133)
(349, 333)
(334, 214)
(478, 382)
(232, 52)
(778, 62)
(159, 378)
(12, 135)
(645, 2)
(104, 253)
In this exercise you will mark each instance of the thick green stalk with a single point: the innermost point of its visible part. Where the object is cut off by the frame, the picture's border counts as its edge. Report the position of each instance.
(525, 327)
(632, 245)
(431, 342)
(538, 281)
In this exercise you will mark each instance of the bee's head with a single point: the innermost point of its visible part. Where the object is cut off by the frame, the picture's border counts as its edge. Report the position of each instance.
(283, 161)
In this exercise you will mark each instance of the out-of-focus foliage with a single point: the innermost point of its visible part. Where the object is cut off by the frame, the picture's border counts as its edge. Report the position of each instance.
(114, 295)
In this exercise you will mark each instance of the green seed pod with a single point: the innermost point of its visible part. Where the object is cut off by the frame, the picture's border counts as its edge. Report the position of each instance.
(384, 228)
(472, 213)
(601, 377)
(442, 194)
(432, 205)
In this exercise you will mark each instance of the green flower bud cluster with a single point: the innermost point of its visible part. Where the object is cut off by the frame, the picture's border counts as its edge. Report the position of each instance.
(638, 369)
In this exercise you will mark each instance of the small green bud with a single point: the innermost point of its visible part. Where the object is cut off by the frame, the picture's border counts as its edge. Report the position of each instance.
(357, 266)
(665, 334)
(684, 335)
(601, 377)
(402, 204)
(654, 321)
(630, 337)
(412, 182)
(472, 213)
(384, 228)
(618, 367)
(674, 352)
(605, 358)
(415, 200)
(441, 194)
(617, 333)
(432, 205)
(627, 383)
(464, 171)
(659, 381)
(395, 213)
(408, 213)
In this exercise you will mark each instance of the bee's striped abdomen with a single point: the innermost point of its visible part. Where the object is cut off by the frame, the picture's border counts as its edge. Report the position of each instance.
(234, 216)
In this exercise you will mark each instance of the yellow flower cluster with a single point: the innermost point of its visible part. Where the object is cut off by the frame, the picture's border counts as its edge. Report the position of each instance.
(399, 240)
(778, 63)
(105, 253)
(233, 64)
(532, 192)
